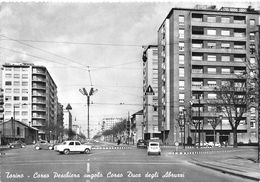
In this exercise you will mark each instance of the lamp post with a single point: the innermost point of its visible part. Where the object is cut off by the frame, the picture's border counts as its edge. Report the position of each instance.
(83, 91)
(184, 118)
(220, 119)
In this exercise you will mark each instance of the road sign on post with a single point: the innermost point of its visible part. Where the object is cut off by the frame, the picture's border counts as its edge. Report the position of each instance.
(149, 91)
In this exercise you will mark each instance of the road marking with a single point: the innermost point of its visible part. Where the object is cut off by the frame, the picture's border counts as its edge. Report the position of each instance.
(88, 167)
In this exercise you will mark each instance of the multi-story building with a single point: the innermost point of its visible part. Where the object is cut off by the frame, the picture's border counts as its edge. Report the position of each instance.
(30, 96)
(108, 123)
(150, 92)
(199, 49)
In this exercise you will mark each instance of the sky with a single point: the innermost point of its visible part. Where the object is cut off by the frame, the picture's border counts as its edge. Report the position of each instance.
(93, 44)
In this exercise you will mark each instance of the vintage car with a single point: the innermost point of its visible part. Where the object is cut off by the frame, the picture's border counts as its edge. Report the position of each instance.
(72, 146)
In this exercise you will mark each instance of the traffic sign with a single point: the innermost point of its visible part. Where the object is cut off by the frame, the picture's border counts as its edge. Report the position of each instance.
(149, 91)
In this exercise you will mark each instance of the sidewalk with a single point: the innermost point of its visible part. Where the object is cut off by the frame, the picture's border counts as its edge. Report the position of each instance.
(241, 167)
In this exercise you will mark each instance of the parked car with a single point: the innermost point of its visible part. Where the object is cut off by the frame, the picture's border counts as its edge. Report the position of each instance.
(72, 146)
(141, 143)
(154, 148)
(43, 144)
(211, 144)
(17, 144)
(202, 144)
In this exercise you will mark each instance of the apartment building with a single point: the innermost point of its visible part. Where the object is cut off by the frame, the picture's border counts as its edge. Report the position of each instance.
(199, 49)
(150, 92)
(30, 96)
(108, 123)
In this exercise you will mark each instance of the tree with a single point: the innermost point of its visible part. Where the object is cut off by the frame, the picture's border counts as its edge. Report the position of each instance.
(235, 98)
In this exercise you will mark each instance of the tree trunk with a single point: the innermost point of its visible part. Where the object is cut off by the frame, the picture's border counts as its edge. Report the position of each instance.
(235, 137)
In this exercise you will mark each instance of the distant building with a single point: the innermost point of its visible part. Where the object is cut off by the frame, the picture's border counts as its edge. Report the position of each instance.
(150, 92)
(137, 120)
(67, 119)
(30, 96)
(108, 123)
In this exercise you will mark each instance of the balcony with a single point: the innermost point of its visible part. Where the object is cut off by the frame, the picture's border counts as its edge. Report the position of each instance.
(39, 109)
(39, 95)
(39, 87)
(39, 117)
(39, 102)
(39, 80)
(198, 22)
(40, 72)
(215, 50)
(219, 63)
(217, 76)
(203, 88)
(217, 38)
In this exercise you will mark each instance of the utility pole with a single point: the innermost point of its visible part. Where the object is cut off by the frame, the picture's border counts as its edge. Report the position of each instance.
(83, 91)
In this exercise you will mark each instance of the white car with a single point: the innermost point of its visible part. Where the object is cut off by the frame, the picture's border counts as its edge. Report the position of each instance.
(72, 146)
(154, 148)
(211, 144)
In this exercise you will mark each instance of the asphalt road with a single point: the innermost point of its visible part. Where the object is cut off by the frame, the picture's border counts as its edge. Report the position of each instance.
(27, 164)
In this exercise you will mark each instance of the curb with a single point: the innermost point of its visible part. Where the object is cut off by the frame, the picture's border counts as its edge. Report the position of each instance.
(221, 169)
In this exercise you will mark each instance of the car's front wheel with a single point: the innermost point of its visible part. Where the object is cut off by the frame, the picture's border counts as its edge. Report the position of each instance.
(66, 151)
(87, 151)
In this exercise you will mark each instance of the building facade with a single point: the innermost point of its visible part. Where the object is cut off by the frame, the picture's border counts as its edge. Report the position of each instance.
(199, 49)
(108, 123)
(30, 96)
(150, 92)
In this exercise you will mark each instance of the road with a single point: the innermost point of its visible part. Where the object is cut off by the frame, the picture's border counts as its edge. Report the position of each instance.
(27, 164)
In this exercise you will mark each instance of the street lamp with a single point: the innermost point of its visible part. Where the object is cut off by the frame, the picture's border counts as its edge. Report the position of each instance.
(83, 91)
(220, 119)
(184, 118)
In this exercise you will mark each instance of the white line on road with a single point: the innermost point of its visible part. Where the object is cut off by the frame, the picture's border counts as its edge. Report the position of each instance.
(88, 167)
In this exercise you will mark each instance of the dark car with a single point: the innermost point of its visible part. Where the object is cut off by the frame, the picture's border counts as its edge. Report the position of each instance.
(43, 144)
(17, 144)
(141, 143)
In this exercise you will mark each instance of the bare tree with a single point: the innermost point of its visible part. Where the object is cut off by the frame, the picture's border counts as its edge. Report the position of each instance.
(235, 100)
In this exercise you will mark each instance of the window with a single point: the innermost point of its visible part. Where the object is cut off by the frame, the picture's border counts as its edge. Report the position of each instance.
(8, 75)
(212, 58)
(24, 83)
(16, 83)
(212, 70)
(24, 113)
(24, 106)
(181, 59)
(8, 83)
(225, 70)
(212, 96)
(252, 36)
(25, 91)
(181, 20)
(181, 98)
(16, 75)
(181, 72)
(252, 60)
(8, 69)
(211, 19)
(77, 143)
(8, 105)
(16, 90)
(212, 83)
(225, 45)
(24, 98)
(225, 20)
(25, 76)
(212, 45)
(181, 46)
(225, 58)
(251, 22)
(8, 90)
(252, 124)
(16, 98)
(71, 143)
(181, 33)
(181, 85)
(211, 32)
(16, 69)
(8, 98)
(225, 32)
(17, 113)
(7, 112)
(24, 69)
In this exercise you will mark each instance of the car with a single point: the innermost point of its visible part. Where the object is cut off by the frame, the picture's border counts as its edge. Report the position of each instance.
(43, 144)
(17, 144)
(141, 143)
(211, 144)
(202, 144)
(72, 146)
(154, 148)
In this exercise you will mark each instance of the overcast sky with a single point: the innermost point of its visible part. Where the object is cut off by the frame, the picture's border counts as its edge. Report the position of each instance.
(105, 38)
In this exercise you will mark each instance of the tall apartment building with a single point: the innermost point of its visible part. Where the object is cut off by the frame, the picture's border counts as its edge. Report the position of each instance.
(199, 49)
(30, 96)
(150, 100)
